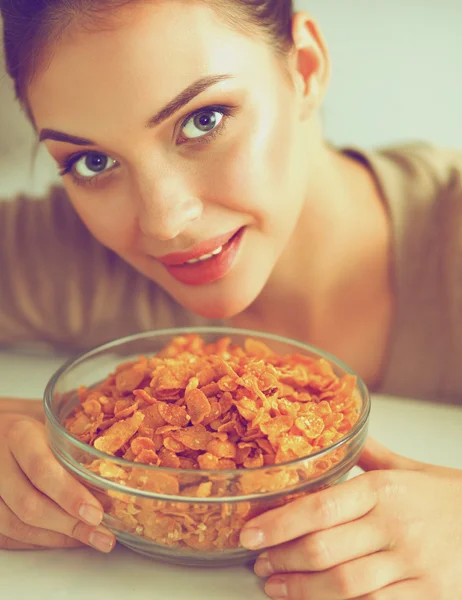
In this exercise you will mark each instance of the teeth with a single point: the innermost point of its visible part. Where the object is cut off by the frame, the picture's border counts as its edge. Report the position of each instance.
(205, 256)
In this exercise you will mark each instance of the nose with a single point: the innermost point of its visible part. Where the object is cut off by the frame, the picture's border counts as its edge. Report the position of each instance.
(167, 208)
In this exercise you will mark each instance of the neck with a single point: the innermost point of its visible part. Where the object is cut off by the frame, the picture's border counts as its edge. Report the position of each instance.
(331, 286)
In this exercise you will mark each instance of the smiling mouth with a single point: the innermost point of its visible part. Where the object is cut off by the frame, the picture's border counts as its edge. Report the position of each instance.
(200, 252)
(199, 267)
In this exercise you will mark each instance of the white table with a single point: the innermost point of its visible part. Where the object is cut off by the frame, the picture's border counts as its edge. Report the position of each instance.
(425, 431)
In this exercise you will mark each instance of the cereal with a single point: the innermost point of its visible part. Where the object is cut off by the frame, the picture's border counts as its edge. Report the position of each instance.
(174, 415)
(141, 443)
(118, 434)
(147, 457)
(211, 407)
(130, 379)
(222, 449)
(198, 405)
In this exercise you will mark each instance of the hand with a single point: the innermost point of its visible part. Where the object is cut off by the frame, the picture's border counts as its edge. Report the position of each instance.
(41, 504)
(30, 408)
(394, 533)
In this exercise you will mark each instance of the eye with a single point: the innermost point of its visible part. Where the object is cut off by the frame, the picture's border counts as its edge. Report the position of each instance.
(202, 123)
(92, 163)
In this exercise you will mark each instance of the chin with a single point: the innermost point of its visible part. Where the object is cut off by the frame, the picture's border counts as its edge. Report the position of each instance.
(216, 308)
(215, 311)
(221, 303)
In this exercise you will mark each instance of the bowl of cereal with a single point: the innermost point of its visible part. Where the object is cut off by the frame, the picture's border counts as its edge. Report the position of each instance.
(186, 435)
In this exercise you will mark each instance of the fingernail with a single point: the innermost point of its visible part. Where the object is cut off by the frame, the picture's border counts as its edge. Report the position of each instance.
(252, 538)
(90, 514)
(276, 589)
(101, 541)
(263, 567)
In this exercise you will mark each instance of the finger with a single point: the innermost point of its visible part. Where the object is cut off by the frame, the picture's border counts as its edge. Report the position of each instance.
(32, 409)
(403, 590)
(34, 509)
(14, 532)
(324, 549)
(48, 476)
(351, 580)
(9, 544)
(376, 457)
(322, 510)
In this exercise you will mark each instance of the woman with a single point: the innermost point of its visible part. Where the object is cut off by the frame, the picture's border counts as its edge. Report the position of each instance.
(189, 140)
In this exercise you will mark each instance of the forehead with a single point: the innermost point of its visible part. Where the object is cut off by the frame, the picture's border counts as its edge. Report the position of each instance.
(137, 65)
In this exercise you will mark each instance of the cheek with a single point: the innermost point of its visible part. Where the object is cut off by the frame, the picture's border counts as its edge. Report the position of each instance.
(255, 174)
(110, 219)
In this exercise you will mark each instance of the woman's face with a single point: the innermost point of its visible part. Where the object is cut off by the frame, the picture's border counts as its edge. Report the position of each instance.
(179, 140)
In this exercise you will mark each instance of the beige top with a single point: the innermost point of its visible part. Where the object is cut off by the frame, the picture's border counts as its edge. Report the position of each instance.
(61, 287)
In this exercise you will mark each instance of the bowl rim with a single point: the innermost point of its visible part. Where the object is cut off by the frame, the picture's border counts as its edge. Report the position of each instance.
(198, 330)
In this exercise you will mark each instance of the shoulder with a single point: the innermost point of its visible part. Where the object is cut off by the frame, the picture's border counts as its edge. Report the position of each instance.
(52, 211)
(418, 169)
(421, 187)
(438, 166)
(53, 208)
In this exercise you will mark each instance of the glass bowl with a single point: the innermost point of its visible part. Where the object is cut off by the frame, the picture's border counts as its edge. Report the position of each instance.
(190, 517)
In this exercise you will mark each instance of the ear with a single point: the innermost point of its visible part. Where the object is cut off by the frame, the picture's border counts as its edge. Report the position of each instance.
(310, 63)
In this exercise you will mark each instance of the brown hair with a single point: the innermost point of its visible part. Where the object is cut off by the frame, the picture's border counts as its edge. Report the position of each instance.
(31, 25)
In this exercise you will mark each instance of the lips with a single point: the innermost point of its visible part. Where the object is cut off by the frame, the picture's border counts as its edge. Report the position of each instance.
(201, 249)
(205, 271)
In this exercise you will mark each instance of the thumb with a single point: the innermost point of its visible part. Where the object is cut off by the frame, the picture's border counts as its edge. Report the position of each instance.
(376, 457)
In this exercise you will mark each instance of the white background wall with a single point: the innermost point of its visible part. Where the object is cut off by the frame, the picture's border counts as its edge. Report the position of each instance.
(397, 75)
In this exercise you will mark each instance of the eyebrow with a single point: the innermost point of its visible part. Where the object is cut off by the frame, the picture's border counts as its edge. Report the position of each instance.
(59, 136)
(183, 98)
